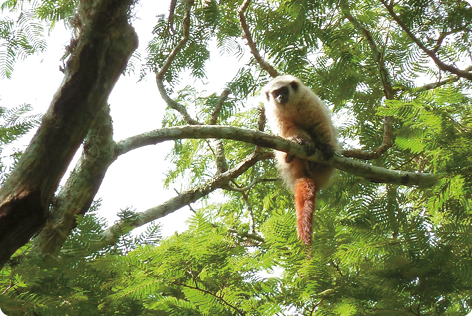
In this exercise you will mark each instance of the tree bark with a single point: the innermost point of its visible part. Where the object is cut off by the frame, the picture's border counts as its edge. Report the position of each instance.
(77, 194)
(105, 45)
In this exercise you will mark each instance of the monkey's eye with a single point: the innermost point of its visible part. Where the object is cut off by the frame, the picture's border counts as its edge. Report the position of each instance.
(294, 85)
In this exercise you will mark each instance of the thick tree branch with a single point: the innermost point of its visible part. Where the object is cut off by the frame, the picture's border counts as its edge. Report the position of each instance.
(76, 196)
(104, 47)
(431, 53)
(372, 173)
(242, 19)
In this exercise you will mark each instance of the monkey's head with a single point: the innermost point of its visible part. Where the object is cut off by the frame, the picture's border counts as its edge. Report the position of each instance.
(282, 89)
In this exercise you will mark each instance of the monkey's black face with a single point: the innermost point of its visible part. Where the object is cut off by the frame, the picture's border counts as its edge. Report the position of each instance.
(282, 94)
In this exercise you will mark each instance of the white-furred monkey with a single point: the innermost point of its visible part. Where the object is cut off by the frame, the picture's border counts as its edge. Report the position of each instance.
(295, 112)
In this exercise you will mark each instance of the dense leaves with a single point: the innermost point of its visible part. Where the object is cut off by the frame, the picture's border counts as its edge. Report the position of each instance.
(377, 248)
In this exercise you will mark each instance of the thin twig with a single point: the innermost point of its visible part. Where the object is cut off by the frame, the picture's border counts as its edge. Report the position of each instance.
(173, 104)
(219, 297)
(160, 75)
(431, 53)
(170, 19)
(386, 83)
(219, 106)
(183, 41)
(264, 65)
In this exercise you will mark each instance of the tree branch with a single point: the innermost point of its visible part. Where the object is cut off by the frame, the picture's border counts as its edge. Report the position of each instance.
(216, 111)
(76, 196)
(386, 83)
(183, 41)
(242, 19)
(160, 75)
(218, 297)
(220, 158)
(220, 180)
(372, 173)
(174, 105)
(431, 53)
(100, 57)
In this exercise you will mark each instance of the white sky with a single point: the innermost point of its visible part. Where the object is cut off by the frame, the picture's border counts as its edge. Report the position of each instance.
(136, 178)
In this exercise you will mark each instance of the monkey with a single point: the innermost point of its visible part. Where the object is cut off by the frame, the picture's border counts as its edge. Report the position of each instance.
(296, 113)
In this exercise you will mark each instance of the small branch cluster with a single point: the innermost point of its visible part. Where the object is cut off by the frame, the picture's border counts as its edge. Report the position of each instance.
(431, 53)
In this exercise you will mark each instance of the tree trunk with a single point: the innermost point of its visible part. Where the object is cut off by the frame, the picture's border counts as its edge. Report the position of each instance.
(106, 43)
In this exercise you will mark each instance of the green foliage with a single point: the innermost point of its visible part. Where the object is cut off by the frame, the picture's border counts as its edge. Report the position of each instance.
(20, 37)
(14, 123)
(377, 249)
(72, 283)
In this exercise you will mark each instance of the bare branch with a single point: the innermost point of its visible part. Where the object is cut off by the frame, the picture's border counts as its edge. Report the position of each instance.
(264, 65)
(372, 173)
(174, 105)
(170, 19)
(431, 53)
(221, 100)
(160, 75)
(112, 234)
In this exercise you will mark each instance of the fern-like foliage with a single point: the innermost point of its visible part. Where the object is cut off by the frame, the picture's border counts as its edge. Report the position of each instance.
(14, 123)
(76, 282)
(19, 38)
(377, 248)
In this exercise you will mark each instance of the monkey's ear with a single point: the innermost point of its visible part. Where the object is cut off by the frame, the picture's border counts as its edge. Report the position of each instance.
(267, 95)
(294, 85)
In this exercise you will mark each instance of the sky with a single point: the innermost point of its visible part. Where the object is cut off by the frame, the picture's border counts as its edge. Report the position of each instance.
(136, 178)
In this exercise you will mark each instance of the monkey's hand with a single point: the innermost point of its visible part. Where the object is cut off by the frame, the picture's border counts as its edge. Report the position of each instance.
(326, 150)
(310, 147)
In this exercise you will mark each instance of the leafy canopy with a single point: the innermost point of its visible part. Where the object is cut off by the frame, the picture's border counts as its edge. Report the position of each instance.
(377, 248)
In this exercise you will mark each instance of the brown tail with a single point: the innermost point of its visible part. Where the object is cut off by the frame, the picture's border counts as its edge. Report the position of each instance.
(305, 205)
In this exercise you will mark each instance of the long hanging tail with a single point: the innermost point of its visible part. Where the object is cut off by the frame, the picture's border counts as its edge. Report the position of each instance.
(305, 193)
